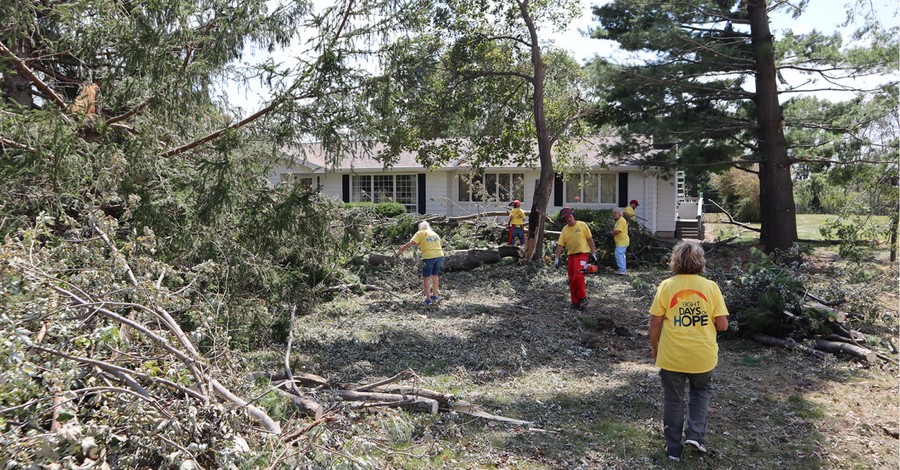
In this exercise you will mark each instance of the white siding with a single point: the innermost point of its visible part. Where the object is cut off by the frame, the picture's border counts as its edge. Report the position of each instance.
(666, 199)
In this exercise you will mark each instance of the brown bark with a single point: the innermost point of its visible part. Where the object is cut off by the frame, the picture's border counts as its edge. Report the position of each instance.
(858, 352)
(776, 189)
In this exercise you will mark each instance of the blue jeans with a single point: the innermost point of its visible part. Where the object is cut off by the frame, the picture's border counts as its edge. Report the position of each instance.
(673, 408)
(620, 258)
(518, 234)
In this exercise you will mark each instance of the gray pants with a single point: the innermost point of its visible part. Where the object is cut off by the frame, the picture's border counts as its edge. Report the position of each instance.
(673, 408)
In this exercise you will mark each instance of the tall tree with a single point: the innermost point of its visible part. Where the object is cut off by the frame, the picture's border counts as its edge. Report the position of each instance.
(474, 75)
(694, 87)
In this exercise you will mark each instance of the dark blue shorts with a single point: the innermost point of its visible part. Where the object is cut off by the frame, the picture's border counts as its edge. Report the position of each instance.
(432, 266)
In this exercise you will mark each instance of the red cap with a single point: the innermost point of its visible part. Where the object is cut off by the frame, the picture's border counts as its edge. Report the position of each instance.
(634, 201)
(516, 203)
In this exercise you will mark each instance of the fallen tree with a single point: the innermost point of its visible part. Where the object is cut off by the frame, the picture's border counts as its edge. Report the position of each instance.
(460, 260)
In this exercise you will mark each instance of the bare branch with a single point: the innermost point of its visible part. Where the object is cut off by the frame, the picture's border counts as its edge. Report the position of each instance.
(731, 219)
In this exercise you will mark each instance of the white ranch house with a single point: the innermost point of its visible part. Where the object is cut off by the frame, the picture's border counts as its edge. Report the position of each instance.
(451, 191)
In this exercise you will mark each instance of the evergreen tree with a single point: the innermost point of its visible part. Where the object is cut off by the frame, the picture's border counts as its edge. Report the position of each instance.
(694, 88)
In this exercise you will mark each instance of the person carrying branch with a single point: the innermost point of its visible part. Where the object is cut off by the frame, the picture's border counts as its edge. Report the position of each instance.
(516, 224)
(629, 211)
(432, 258)
(686, 313)
(576, 239)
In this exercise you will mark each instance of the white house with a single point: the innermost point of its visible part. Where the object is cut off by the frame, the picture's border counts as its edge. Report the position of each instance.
(453, 190)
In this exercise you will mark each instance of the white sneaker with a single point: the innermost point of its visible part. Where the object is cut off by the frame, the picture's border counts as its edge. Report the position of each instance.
(696, 445)
(674, 459)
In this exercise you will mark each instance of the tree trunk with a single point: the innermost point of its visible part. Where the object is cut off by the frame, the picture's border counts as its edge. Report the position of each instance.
(534, 246)
(15, 87)
(776, 189)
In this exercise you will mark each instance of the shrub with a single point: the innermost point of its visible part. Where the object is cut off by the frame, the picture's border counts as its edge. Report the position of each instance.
(739, 191)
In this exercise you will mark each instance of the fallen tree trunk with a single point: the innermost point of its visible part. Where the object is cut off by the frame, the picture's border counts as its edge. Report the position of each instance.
(786, 344)
(858, 352)
(461, 260)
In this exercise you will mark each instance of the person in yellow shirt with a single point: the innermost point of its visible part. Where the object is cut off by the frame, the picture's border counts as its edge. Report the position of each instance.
(620, 237)
(432, 258)
(686, 313)
(576, 239)
(629, 210)
(516, 223)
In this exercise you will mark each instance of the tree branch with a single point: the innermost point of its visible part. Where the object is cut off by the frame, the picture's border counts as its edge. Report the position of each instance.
(731, 219)
(24, 70)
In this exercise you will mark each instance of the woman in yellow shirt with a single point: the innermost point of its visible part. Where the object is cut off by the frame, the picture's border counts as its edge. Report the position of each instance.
(686, 313)
(432, 258)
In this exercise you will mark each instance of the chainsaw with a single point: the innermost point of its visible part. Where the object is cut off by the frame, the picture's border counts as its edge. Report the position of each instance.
(591, 268)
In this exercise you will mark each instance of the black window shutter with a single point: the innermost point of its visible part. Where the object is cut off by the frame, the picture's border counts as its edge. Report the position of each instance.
(421, 193)
(623, 189)
(557, 190)
(345, 188)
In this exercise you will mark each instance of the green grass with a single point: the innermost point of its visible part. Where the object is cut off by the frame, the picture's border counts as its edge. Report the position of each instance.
(808, 226)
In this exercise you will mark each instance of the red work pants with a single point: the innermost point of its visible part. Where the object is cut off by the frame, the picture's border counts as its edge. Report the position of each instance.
(575, 264)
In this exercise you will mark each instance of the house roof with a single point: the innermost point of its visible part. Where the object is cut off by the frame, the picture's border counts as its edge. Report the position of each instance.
(363, 156)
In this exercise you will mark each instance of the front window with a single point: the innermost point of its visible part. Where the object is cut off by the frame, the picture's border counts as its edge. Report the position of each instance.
(401, 189)
(591, 188)
(492, 187)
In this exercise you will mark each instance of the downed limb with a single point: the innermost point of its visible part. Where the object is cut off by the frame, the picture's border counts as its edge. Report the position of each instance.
(403, 374)
(731, 219)
(305, 403)
(388, 399)
(786, 344)
(474, 410)
(858, 352)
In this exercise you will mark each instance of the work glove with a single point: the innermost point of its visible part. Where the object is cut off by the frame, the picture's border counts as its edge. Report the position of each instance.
(556, 262)
(593, 258)
(611, 234)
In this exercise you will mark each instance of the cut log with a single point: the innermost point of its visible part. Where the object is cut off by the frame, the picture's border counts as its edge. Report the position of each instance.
(818, 310)
(386, 399)
(309, 406)
(858, 352)
(786, 344)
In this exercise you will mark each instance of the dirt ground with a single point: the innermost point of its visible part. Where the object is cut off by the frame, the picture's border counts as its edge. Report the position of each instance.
(504, 337)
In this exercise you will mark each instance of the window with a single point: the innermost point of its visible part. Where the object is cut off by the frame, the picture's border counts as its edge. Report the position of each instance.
(385, 188)
(295, 178)
(608, 188)
(492, 187)
(591, 188)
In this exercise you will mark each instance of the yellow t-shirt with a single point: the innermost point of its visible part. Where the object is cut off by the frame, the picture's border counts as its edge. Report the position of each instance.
(575, 238)
(622, 238)
(517, 216)
(628, 212)
(429, 242)
(688, 303)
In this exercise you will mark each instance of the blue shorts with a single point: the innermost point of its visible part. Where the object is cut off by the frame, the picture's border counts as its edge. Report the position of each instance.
(432, 266)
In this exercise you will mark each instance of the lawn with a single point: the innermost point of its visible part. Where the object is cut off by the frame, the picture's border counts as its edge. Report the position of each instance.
(808, 225)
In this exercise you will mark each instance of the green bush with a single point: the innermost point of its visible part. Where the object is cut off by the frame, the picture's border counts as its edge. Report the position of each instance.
(381, 209)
